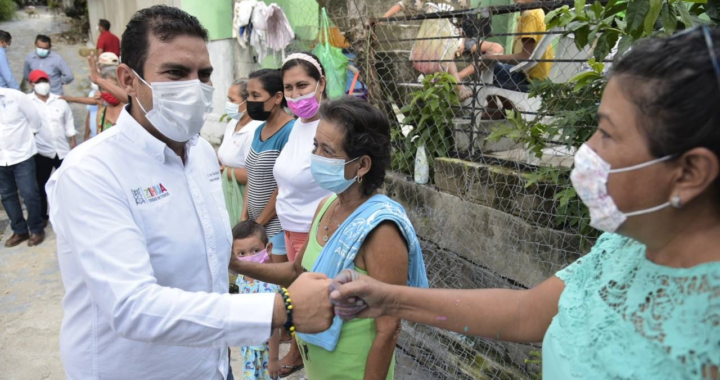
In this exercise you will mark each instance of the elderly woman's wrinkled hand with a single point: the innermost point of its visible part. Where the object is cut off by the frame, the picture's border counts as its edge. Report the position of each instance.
(312, 310)
(355, 295)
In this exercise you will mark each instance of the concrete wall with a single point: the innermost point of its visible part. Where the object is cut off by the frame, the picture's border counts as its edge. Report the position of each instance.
(118, 12)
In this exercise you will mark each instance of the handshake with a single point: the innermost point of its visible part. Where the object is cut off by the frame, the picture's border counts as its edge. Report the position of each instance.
(316, 300)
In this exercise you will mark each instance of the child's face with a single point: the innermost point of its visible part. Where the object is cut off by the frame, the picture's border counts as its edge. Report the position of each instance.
(247, 247)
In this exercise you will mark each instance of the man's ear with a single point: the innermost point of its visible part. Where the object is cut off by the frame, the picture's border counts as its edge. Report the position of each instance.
(126, 79)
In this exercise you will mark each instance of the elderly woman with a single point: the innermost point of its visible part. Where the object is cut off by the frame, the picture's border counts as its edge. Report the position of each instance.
(645, 302)
(354, 228)
(111, 107)
(235, 147)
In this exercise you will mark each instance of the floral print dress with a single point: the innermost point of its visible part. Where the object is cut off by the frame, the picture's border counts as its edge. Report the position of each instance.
(255, 359)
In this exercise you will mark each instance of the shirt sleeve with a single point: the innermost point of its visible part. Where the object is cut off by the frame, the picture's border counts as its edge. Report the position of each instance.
(69, 121)
(67, 74)
(26, 69)
(116, 268)
(590, 263)
(101, 43)
(529, 24)
(30, 112)
(6, 74)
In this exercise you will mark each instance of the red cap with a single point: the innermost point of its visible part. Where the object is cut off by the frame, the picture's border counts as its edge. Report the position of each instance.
(36, 75)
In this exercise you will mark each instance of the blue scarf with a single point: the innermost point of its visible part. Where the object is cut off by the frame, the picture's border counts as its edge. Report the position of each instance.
(340, 251)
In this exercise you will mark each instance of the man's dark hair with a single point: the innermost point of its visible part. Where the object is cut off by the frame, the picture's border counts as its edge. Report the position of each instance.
(248, 228)
(5, 36)
(367, 133)
(163, 22)
(271, 80)
(105, 24)
(43, 38)
(676, 89)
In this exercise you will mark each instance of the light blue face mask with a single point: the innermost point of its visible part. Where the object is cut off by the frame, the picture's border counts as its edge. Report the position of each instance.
(42, 53)
(329, 173)
(231, 109)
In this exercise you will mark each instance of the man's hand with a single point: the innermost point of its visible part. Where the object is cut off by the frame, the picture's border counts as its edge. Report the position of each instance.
(358, 296)
(310, 298)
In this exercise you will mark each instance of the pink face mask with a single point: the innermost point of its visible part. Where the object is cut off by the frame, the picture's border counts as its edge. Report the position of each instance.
(260, 257)
(304, 106)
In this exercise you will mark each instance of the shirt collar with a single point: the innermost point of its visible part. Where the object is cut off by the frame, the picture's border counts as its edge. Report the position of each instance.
(143, 139)
(51, 97)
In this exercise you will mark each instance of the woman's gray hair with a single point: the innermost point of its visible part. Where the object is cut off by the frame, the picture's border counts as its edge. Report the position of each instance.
(109, 72)
(242, 82)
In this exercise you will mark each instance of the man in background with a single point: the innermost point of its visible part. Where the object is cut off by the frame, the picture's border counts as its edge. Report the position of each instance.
(6, 78)
(18, 122)
(50, 62)
(55, 138)
(107, 42)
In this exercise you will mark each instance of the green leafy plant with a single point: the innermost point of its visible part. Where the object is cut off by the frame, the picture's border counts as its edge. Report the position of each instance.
(7, 10)
(430, 113)
(568, 115)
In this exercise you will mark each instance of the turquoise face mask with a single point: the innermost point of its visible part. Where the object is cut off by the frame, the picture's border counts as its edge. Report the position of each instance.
(329, 173)
(42, 53)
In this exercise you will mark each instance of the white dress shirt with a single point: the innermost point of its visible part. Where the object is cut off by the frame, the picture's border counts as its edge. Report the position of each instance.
(18, 122)
(58, 126)
(144, 246)
(236, 145)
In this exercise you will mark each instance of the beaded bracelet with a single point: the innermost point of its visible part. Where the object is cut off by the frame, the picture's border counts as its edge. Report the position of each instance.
(289, 327)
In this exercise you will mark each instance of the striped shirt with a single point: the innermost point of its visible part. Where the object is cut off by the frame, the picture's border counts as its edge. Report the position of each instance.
(259, 165)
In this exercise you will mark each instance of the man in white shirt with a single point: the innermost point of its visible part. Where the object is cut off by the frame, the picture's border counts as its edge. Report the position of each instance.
(57, 135)
(144, 238)
(18, 122)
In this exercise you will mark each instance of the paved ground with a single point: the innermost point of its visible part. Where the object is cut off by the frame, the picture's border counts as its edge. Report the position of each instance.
(23, 32)
(31, 288)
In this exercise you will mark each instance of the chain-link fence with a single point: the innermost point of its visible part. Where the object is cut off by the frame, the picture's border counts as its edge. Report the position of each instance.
(481, 155)
(487, 106)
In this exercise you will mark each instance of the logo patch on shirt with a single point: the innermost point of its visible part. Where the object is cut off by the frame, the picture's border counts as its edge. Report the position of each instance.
(213, 176)
(150, 194)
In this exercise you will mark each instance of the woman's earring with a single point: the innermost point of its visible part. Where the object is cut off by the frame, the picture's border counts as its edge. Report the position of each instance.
(360, 179)
(676, 202)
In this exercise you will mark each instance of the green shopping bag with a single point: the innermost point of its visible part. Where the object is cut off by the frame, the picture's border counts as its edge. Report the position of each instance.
(333, 60)
(234, 193)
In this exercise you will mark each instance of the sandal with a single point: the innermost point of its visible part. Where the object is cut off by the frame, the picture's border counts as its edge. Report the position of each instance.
(292, 369)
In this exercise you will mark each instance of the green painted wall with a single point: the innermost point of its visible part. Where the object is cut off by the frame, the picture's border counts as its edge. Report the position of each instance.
(303, 17)
(215, 15)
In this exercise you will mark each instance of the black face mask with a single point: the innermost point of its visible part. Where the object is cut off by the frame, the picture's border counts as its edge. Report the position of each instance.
(256, 110)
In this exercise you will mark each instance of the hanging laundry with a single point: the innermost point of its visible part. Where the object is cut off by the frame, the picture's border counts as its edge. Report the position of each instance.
(241, 21)
(279, 31)
(258, 37)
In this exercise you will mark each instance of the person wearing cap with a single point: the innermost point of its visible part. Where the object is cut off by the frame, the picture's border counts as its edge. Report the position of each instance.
(56, 137)
(50, 62)
(7, 80)
(108, 59)
(18, 122)
(107, 42)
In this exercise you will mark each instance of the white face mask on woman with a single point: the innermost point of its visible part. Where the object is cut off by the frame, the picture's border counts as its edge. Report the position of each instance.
(179, 107)
(589, 178)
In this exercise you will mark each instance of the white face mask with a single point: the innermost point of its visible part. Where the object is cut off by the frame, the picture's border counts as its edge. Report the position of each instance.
(589, 178)
(42, 89)
(179, 108)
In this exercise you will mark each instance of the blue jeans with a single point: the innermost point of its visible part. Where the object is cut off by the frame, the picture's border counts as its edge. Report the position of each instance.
(21, 177)
(516, 81)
